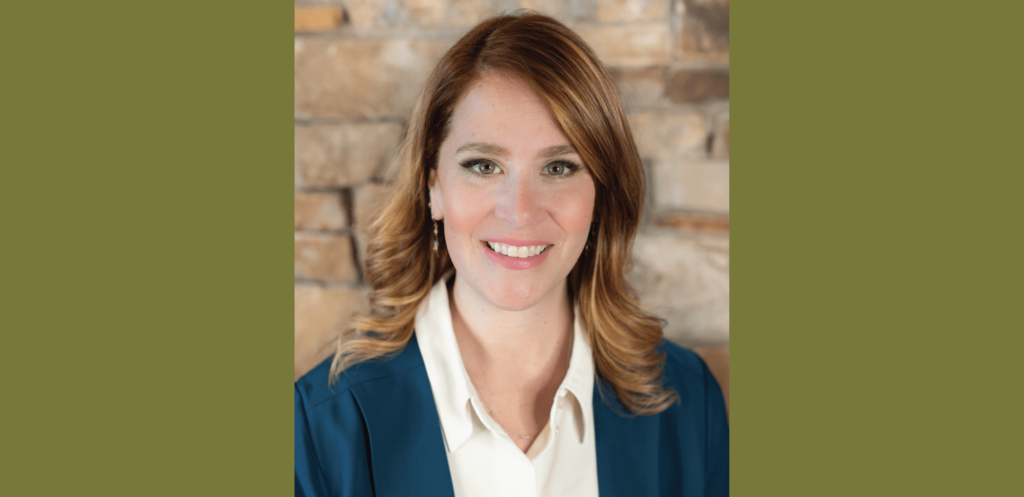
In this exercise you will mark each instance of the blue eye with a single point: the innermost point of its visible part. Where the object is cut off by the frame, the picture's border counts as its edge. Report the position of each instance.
(561, 169)
(481, 166)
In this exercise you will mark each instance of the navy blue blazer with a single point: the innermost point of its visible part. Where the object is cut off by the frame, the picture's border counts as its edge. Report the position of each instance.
(376, 432)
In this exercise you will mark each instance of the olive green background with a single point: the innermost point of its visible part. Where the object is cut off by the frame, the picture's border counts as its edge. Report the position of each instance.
(147, 273)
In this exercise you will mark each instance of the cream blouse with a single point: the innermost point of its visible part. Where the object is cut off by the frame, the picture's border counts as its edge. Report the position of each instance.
(482, 458)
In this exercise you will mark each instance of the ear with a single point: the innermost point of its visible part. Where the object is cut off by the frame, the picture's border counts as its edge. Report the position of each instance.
(436, 197)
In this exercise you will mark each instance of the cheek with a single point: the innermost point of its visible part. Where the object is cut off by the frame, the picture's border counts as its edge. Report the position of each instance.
(575, 211)
(465, 209)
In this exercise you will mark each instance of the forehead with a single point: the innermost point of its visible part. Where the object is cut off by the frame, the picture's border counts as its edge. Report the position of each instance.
(499, 108)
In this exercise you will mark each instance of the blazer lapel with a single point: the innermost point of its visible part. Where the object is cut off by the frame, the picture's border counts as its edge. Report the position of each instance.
(407, 454)
(626, 447)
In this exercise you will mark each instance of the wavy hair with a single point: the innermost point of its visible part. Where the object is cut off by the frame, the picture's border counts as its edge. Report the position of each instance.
(400, 265)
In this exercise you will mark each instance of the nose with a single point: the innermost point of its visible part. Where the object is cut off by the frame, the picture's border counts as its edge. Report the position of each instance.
(518, 202)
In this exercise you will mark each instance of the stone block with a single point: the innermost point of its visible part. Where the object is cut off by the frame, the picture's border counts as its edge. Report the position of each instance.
(705, 31)
(319, 211)
(701, 186)
(364, 13)
(320, 314)
(567, 11)
(324, 257)
(312, 19)
(559, 9)
(694, 223)
(720, 139)
(337, 155)
(640, 88)
(685, 280)
(698, 86)
(364, 79)
(368, 14)
(630, 45)
(631, 10)
(367, 199)
(670, 136)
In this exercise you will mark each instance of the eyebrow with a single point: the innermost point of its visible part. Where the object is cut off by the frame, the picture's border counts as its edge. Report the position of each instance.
(483, 148)
(557, 150)
(491, 149)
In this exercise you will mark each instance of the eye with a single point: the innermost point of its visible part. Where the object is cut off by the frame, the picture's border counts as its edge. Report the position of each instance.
(481, 166)
(561, 168)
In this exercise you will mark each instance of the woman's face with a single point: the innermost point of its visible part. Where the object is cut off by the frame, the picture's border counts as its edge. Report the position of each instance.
(508, 177)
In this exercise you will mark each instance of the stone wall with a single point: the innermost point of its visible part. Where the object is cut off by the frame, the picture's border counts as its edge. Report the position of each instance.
(359, 65)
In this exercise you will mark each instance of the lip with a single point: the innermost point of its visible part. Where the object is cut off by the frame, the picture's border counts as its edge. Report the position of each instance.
(516, 263)
(518, 243)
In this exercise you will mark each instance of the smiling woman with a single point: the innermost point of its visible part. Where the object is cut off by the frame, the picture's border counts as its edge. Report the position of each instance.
(503, 333)
(508, 175)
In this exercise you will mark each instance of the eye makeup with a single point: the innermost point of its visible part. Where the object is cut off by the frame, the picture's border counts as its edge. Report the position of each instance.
(487, 167)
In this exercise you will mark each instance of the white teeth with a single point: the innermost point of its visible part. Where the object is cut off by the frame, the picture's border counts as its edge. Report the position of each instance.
(513, 251)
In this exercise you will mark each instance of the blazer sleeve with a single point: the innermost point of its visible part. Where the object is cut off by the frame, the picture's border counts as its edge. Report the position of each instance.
(716, 469)
(309, 478)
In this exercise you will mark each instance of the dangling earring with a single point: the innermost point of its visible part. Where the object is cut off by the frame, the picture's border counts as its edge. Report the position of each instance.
(435, 229)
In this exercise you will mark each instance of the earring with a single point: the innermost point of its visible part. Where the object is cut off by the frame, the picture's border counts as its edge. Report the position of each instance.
(435, 238)
(435, 228)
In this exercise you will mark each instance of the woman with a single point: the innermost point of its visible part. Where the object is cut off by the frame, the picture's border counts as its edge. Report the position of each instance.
(505, 354)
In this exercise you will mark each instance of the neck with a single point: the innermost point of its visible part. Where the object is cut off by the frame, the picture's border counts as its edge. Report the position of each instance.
(532, 342)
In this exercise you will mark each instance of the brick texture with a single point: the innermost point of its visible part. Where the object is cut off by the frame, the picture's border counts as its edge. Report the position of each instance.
(697, 86)
(319, 211)
(320, 313)
(338, 155)
(692, 185)
(632, 10)
(691, 222)
(705, 30)
(630, 45)
(720, 139)
(311, 19)
(361, 78)
(370, 14)
(640, 88)
(367, 200)
(686, 282)
(324, 257)
(670, 136)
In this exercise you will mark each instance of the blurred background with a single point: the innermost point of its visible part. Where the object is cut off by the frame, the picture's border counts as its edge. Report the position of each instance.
(359, 65)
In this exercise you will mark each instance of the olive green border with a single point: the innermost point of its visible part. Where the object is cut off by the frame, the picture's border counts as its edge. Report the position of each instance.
(875, 245)
(147, 184)
(147, 276)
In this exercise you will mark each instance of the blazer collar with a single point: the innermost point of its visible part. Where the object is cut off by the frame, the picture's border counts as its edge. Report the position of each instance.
(407, 455)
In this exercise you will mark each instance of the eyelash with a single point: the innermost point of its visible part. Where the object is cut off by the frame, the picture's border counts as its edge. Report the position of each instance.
(571, 167)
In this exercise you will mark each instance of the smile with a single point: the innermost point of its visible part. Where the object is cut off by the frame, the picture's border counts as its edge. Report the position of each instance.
(514, 251)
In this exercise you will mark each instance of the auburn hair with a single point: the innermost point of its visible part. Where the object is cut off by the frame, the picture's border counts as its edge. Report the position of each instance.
(400, 264)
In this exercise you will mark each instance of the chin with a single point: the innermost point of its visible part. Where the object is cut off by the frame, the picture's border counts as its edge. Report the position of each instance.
(514, 296)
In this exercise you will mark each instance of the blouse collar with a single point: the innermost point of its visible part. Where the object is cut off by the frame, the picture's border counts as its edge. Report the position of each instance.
(453, 390)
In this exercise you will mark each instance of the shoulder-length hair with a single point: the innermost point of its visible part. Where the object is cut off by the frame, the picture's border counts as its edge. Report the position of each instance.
(400, 264)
